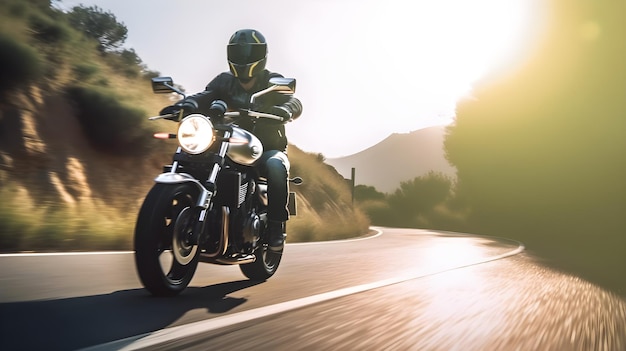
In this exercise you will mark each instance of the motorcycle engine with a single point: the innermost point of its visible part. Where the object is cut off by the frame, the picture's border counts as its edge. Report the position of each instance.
(245, 223)
(251, 229)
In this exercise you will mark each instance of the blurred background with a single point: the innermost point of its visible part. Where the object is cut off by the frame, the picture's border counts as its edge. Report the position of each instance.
(538, 145)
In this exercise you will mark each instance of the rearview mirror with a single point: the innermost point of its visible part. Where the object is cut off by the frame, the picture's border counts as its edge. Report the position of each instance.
(286, 85)
(279, 84)
(163, 85)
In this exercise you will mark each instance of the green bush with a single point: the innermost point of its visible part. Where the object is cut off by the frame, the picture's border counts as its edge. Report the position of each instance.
(98, 24)
(365, 192)
(19, 64)
(378, 211)
(125, 63)
(147, 73)
(17, 9)
(48, 30)
(110, 125)
(63, 229)
(85, 71)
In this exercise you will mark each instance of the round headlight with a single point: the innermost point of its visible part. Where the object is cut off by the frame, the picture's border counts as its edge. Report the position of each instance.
(195, 134)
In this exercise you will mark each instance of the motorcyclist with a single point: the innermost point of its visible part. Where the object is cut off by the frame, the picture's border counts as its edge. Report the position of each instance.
(247, 57)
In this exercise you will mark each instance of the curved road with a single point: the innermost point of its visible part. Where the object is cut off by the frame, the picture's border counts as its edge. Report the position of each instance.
(402, 289)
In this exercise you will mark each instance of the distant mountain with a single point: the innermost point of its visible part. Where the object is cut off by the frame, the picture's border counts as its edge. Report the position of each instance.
(398, 158)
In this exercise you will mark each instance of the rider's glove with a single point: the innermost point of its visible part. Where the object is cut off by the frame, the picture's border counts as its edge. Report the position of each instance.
(217, 109)
(185, 106)
(169, 110)
(281, 111)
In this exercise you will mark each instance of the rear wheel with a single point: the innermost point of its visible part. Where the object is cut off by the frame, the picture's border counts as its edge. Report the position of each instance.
(264, 266)
(165, 256)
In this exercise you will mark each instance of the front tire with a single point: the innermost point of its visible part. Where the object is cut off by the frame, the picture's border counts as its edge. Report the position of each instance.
(165, 257)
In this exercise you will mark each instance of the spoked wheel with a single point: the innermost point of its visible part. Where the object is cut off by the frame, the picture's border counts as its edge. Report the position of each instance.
(165, 256)
(264, 266)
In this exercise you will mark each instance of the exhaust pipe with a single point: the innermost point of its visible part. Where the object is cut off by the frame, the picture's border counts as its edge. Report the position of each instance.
(230, 260)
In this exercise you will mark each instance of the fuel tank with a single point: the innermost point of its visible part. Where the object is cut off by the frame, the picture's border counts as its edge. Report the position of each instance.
(243, 147)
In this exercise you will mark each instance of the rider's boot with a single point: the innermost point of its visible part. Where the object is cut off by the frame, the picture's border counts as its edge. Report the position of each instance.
(276, 240)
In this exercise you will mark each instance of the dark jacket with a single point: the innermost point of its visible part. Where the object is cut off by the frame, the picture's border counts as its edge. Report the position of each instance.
(226, 87)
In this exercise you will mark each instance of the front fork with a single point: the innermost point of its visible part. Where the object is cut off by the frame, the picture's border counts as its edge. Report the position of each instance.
(206, 195)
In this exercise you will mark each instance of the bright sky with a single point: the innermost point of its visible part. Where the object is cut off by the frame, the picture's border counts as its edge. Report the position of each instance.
(364, 68)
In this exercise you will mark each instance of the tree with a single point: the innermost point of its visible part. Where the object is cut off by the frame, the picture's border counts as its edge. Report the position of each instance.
(419, 196)
(100, 25)
(365, 192)
(541, 152)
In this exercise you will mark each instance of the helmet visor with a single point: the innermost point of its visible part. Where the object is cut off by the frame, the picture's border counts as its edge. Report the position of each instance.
(242, 54)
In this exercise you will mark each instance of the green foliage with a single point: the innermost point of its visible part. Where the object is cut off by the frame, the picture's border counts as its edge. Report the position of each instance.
(84, 71)
(421, 194)
(99, 25)
(129, 56)
(151, 74)
(21, 64)
(420, 202)
(330, 186)
(325, 191)
(17, 8)
(51, 227)
(110, 125)
(125, 62)
(541, 154)
(12, 221)
(321, 157)
(48, 30)
(379, 212)
(113, 125)
(364, 192)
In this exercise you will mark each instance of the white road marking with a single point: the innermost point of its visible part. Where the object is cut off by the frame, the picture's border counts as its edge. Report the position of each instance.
(43, 254)
(379, 232)
(169, 334)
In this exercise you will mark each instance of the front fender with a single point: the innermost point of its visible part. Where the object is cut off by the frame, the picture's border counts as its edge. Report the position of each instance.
(177, 178)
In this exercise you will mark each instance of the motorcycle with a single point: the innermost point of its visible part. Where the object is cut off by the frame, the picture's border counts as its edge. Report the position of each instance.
(209, 205)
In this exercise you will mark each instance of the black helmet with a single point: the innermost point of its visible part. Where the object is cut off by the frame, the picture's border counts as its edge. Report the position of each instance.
(247, 53)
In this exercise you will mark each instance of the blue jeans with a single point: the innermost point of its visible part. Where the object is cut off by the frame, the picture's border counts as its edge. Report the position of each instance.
(274, 165)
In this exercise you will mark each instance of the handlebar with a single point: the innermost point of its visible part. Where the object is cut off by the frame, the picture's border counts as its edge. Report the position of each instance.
(279, 84)
(153, 118)
(252, 114)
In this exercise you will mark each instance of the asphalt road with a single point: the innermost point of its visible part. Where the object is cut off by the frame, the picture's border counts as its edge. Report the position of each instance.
(404, 289)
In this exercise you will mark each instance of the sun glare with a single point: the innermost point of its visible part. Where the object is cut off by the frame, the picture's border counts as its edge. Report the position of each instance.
(437, 50)
(481, 36)
(454, 252)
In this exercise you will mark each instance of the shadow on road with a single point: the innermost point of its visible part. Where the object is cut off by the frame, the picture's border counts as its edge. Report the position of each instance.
(73, 323)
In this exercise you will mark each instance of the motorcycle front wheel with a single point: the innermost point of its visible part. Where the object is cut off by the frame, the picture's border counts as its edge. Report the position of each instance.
(165, 257)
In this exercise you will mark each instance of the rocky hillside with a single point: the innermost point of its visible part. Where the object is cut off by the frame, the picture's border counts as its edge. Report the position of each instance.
(56, 185)
(76, 149)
